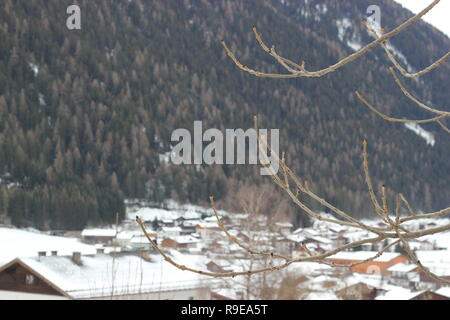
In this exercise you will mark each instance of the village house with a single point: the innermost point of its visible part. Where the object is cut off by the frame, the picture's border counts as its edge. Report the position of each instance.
(141, 242)
(299, 252)
(338, 229)
(338, 241)
(180, 242)
(208, 230)
(102, 276)
(219, 296)
(171, 231)
(214, 267)
(403, 274)
(444, 291)
(243, 236)
(178, 222)
(284, 245)
(123, 238)
(238, 219)
(424, 281)
(399, 293)
(212, 219)
(318, 241)
(429, 295)
(426, 245)
(213, 247)
(168, 223)
(284, 228)
(367, 247)
(358, 291)
(105, 236)
(379, 265)
(438, 262)
(188, 226)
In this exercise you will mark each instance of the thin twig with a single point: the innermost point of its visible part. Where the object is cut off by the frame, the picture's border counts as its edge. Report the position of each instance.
(302, 72)
(398, 66)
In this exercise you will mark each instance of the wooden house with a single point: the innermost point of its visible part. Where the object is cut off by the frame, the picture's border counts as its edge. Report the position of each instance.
(130, 275)
(379, 265)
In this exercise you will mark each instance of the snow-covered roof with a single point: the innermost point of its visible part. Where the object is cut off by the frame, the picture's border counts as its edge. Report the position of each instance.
(320, 239)
(102, 275)
(98, 233)
(129, 234)
(139, 239)
(310, 232)
(185, 239)
(437, 261)
(321, 296)
(284, 224)
(171, 229)
(191, 223)
(372, 280)
(433, 256)
(212, 219)
(363, 255)
(149, 214)
(402, 267)
(21, 243)
(337, 228)
(441, 240)
(444, 291)
(239, 216)
(208, 225)
(296, 237)
(399, 293)
(229, 293)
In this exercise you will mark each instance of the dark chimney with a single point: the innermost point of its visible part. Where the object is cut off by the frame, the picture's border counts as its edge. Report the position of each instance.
(145, 254)
(76, 258)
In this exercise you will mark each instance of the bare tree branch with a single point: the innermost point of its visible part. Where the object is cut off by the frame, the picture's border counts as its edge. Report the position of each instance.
(397, 65)
(297, 71)
(237, 242)
(391, 119)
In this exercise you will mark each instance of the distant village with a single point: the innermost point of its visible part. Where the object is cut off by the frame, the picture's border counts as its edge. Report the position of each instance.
(119, 262)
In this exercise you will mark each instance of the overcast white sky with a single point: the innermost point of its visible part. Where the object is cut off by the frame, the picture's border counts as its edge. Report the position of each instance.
(439, 16)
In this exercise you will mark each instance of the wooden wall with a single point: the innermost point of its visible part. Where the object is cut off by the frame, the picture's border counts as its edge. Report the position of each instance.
(18, 278)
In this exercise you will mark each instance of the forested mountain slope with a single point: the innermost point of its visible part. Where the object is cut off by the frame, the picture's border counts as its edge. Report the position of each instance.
(85, 114)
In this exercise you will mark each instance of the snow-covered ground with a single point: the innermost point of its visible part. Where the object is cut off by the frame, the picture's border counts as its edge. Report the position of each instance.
(35, 68)
(421, 132)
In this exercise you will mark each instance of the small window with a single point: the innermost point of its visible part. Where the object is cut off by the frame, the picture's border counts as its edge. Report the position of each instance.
(191, 298)
(29, 279)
